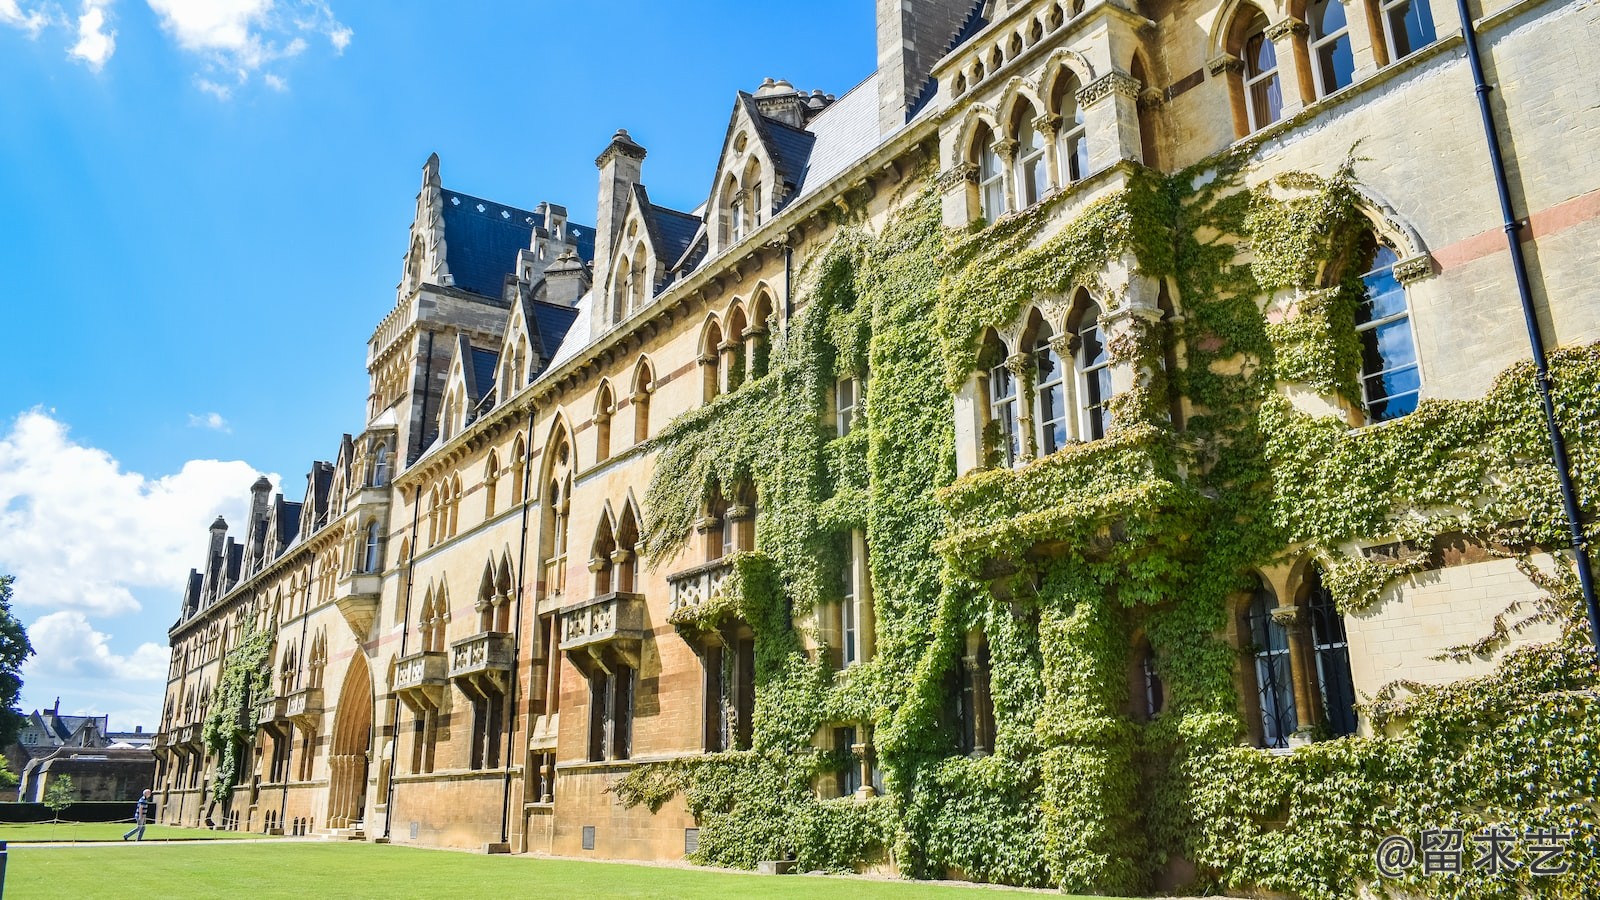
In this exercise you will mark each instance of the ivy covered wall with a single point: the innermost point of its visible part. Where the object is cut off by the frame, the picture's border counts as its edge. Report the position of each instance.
(1155, 530)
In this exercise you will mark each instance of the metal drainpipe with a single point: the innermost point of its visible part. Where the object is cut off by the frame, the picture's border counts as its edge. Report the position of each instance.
(516, 636)
(405, 632)
(1558, 444)
(299, 666)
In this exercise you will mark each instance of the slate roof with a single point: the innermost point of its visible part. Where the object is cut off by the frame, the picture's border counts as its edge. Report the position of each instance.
(845, 132)
(553, 322)
(484, 363)
(677, 230)
(482, 238)
(288, 521)
(791, 146)
(576, 336)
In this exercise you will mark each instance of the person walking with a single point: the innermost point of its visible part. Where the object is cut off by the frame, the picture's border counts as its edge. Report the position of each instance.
(141, 813)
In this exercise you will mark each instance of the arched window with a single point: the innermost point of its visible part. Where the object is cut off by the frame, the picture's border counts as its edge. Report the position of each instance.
(1003, 404)
(991, 177)
(491, 480)
(1073, 144)
(374, 561)
(557, 514)
(603, 407)
(380, 466)
(1330, 649)
(1391, 381)
(734, 344)
(1263, 92)
(620, 290)
(1050, 392)
(718, 528)
(519, 469)
(736, 214)
(1330, 46)
(625, 558)
(639, 283)
(643, 382)
(1407, 26)
(1274, 679)
(711, 360)
(1033, 175)
(600, 557)
(1093, 366)
(759, 348)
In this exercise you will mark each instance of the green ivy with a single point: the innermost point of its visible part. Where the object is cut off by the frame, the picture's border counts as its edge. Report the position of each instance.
(1152, 531)
(230, 719)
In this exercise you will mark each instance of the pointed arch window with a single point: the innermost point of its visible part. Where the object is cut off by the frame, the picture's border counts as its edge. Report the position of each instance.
(1003, 406)
(380, 466)
(643, 381)
(1073, 149)
(1391, 379)
(991, 178)
(1274, 678)
(1263, 91)
(1050, 392)
(1093, 370)
(603, 406)
(1330, 649)
(1033, 175)
(374, 551)
(1332, 59)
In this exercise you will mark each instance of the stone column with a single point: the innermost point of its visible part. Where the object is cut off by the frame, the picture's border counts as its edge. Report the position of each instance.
(1288, 39)
(1301, 667)
(1049, 125)
(1007, 151)
(1110, 107)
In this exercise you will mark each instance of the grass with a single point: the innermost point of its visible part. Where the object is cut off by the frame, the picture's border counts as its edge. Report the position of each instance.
(32, 832)
(297, 869)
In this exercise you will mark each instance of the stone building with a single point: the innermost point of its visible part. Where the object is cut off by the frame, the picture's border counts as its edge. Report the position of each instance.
(104, 764)
(1099, 408)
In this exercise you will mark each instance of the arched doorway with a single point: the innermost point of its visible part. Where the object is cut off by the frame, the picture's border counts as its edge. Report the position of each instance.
(352, 736)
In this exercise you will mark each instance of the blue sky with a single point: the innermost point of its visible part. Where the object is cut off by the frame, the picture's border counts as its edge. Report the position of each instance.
(205, 204)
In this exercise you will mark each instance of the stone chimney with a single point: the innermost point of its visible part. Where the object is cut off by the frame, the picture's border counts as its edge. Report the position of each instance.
(912, 36)
(619, 165)
(565, 280)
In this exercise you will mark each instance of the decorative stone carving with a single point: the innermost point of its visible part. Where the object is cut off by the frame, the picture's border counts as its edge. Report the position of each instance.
(1414, 268)
(958, 175)
(1106, 85)
(1223, 63)
(1007, 149)
(1290, 26)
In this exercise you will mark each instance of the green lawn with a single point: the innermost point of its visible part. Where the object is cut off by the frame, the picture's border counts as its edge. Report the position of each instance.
(107, 831)
(299, 869)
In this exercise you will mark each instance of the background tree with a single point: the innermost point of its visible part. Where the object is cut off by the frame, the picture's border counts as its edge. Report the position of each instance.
(14, 649)
(59, 795)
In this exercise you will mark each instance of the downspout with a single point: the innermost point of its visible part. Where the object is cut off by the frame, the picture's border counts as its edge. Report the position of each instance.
(1558, 443)
(299, 668)
(516, 632)
(405, 632)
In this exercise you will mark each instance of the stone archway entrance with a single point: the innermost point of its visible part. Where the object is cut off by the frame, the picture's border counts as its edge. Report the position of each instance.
(352, 737)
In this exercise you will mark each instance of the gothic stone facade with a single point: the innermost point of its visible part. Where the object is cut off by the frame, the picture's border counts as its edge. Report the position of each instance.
(471, 636)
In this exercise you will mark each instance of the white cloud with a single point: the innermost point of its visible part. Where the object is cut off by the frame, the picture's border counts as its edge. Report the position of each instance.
(220, 91)
(238, 37)
(80, 533)
(95, 42)
(275, 82)
(66, 645)
(32, 20)
(211, 420)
